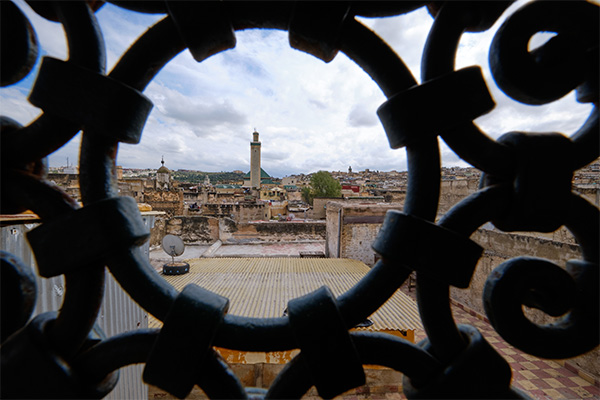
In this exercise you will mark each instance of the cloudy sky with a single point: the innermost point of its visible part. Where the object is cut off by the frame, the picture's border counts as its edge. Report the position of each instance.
(311, 115)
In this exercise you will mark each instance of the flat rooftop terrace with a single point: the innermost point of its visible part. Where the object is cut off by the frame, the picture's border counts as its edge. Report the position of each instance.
(257, 249)
(262, 287)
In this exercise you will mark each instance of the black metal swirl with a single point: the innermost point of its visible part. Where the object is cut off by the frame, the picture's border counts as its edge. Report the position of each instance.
(70, 362)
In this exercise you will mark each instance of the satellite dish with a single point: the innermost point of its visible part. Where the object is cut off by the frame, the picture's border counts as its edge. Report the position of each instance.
(173, 246)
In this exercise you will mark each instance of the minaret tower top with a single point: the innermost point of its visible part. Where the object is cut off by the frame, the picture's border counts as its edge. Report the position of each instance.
(255, 161)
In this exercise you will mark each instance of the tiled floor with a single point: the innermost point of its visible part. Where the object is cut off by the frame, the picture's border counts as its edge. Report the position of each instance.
(540, 379)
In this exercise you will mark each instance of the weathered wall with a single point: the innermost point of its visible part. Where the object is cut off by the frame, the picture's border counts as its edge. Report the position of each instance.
(278, 209)
(562, 234)
(241, 212)
(453, 191)
(203, 229)
(192, 197)
(64, 180)
(332, 219)
(67, 182)
(227, 228)
(319, 206)
(294, 195)
(499, 247)
(169, 201)
(132, 187)
(351, 228)
(391, 195)
(277, 231)
(194, 229)
(354, 236)
(158, 231)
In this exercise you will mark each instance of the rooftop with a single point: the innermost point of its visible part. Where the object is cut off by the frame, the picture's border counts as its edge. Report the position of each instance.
(262, 287)
(263, 174)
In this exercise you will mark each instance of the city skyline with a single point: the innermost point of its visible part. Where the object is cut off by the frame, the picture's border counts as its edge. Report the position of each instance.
(309, 118)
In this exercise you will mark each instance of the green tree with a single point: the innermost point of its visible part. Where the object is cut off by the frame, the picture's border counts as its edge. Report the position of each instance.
(322, 184)
(306, 195)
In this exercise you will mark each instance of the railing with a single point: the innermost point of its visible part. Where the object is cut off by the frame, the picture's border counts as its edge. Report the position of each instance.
(526, 186)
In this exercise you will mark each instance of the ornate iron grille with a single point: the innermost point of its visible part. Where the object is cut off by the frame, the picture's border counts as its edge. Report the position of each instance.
(59, 356)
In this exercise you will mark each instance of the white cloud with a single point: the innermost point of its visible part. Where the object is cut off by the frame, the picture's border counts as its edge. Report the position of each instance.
(121, 28)
(50, 35)
(406, 34)
(14, 104)
(361, 115)
(310, 115)
(174, 107)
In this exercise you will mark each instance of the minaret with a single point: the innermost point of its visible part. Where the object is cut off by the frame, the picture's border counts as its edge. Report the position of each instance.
(163, 176)
(255, 161)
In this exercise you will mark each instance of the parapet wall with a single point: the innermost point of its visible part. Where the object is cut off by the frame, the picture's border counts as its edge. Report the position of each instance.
(203, 229)
(194, 229)
(277, 232)
(453, 191)
(241, 212)
(169, 201)
(351, 228)
(500, 247)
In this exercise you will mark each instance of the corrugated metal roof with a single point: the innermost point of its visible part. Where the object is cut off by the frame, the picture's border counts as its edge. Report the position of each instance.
(262, 287)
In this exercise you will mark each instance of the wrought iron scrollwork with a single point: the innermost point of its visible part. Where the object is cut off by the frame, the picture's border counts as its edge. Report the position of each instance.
(454, 361)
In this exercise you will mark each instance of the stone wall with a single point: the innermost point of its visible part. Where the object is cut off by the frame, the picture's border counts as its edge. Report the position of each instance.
(240, 212)
(351, 228)
(391, 195)
(562, 234)
(205, 229)
(277, 232)
(64, 180)
(499, 247)
(319, 209)
(353, 237)
(158, 232)
(333, 222)
(194, 229)
(453, 191)
(278, 209)
(67, 182)
(294, 195)
(169, 201)
(132, 188)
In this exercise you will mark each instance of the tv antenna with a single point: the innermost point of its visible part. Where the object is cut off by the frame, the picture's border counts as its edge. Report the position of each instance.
(173, 246)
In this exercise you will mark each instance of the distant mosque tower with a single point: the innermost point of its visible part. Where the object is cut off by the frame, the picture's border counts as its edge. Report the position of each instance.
(255, 161)
(163, 176)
